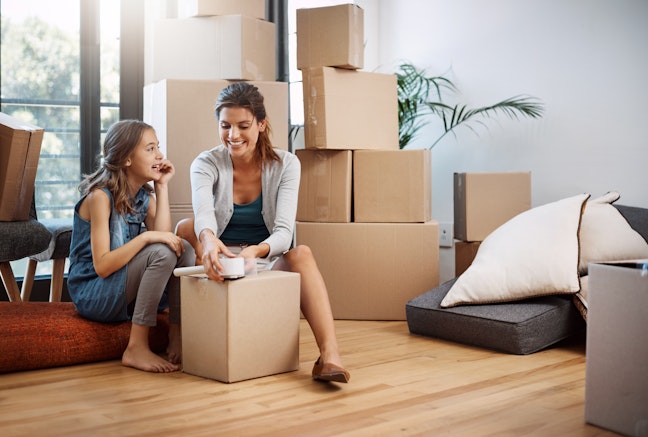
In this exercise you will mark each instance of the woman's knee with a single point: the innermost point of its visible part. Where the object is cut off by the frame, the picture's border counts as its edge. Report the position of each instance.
(300, 255)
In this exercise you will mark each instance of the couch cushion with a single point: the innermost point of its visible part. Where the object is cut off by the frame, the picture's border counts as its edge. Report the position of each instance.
(518, 328)
(36, 335)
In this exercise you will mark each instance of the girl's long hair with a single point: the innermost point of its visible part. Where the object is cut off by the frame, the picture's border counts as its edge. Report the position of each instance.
(246, 95)
(119, 144)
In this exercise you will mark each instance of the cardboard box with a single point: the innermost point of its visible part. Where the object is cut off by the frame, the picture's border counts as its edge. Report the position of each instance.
(372, 270)
(325, 189)
(240, 329)
(231, 47)
(20, 145)
(392, 186)
(331, 36)
(616, 381)
(485, 201)
(204, 8)
(182, 113)
(348, 109)
(465, 252)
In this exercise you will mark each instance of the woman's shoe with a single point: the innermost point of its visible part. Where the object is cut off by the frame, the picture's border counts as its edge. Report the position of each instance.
(329, 372)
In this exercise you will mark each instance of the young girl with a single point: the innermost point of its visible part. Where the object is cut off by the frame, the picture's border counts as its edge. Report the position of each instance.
(244, 195)
(118, 271)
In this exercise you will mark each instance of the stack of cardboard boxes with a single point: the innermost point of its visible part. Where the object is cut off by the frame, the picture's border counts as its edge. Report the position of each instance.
(364, 205)
(190, 60)
(228, 334)
(482, 203)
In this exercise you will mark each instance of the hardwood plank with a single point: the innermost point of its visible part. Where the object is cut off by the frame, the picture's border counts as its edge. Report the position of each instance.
(401, 384)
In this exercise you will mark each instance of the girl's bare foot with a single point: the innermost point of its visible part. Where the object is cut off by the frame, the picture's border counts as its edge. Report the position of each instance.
(143, 358)
(174, 349)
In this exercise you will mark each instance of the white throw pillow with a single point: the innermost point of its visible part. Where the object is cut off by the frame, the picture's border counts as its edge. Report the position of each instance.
(606, 236)
(533, 254)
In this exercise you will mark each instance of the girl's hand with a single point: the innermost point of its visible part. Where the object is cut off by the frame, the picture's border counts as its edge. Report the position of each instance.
(167, 171)
(168, 238)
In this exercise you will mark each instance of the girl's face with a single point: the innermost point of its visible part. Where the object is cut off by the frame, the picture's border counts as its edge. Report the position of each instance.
(239, 131)
(144, 164)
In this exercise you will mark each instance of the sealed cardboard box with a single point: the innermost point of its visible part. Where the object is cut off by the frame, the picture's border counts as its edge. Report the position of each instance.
(20, 145)
(485, 201)
(204, 8)
(325, 190)
(348, 109)
(616, 372)
(330, 36)
(392, 186)
(465, 252)
(232, 47)
(182, 113)
(372, 270)
(240, 329)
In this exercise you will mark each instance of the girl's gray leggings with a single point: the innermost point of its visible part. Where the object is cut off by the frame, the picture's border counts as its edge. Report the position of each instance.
(149, 272)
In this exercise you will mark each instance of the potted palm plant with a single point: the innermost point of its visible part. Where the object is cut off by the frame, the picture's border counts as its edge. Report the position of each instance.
(420, 97)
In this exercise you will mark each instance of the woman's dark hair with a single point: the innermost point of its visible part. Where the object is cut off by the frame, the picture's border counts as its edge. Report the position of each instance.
(246, 95)
(119, 144)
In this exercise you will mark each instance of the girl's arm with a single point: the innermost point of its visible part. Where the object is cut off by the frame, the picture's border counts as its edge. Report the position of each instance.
(106, 261)
(158, 216)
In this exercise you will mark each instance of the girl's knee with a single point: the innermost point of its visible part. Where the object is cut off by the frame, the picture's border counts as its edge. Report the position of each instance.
(163, 254)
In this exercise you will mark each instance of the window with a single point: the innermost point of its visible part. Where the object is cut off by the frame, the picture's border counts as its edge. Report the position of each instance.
(43, 69)
(60, 70)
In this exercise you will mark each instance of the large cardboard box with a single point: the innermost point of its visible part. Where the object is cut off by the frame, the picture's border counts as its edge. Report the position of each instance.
(485, 201)
(232, 47)
(616, 372)
(330, 36)
(20, 145)
(348, 109)
(182, 113)
(465, 252)
(372, 270)
(325, 190)
(393, 186)
(240, 329)
(204, 8)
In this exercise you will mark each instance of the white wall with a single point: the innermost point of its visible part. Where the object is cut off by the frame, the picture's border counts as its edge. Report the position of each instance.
(586, 59)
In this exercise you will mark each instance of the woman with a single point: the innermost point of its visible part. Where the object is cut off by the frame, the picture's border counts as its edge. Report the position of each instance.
(117, 271)
(244, 196)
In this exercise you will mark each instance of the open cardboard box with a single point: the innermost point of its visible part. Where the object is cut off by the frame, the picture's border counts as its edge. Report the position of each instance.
(20, 145)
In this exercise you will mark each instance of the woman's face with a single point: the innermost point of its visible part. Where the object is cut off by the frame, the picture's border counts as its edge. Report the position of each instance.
(239, 131)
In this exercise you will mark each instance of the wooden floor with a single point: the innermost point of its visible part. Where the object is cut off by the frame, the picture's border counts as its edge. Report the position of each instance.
(401, 385)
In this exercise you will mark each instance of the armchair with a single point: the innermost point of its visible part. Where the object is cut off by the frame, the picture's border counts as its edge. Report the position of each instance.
(19, 240)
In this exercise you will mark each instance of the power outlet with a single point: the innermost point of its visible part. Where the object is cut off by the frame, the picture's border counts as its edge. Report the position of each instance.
(446, 234)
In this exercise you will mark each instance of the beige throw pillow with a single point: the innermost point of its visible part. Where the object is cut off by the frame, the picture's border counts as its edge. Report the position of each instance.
(606, 236)
(533, 254)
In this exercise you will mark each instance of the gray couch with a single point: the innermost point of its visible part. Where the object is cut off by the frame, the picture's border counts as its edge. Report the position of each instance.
(517, 328)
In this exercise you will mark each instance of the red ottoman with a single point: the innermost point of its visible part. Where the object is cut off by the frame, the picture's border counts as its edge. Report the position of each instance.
(36, 335)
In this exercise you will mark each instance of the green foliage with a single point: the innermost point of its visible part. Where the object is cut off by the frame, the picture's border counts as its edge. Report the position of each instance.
(420, 98)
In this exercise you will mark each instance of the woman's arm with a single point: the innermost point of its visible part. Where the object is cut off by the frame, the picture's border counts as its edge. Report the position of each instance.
(281, 233)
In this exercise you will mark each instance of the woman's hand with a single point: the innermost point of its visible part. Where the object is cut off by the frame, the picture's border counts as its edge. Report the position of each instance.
(212, 248)
(255, 251)
(168, 238)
